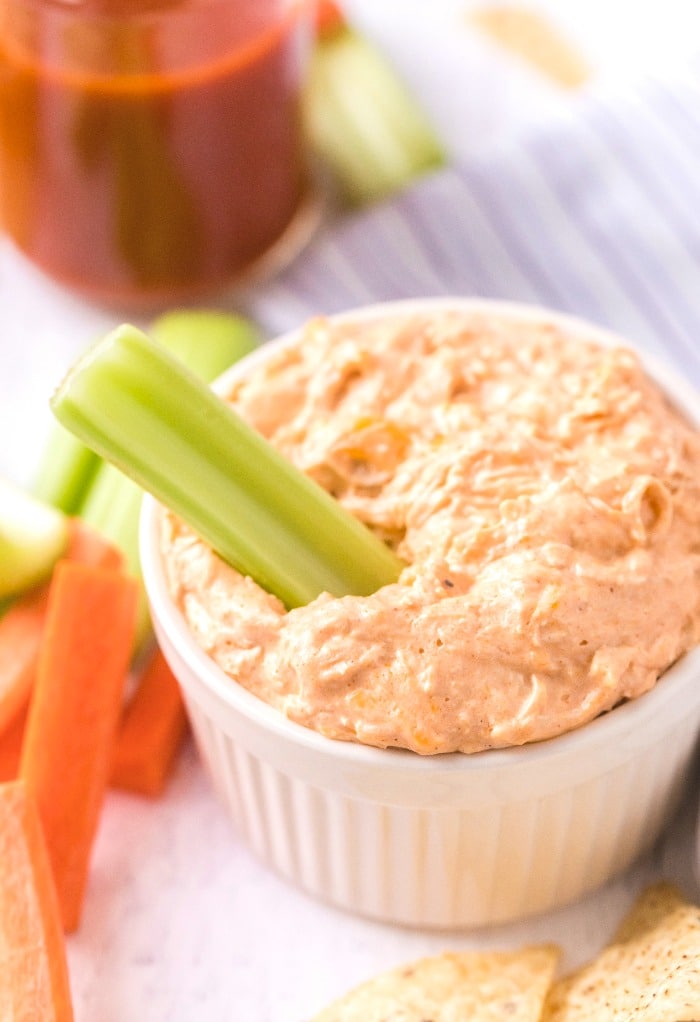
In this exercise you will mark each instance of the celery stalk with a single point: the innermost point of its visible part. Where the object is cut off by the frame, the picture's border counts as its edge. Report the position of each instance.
(362, 120)
(139, 407)
(112, 506)
(208, 342)
(66, 470)
(33, 535)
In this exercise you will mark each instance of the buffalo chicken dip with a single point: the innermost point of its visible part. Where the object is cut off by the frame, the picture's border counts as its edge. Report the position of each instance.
(543, 494)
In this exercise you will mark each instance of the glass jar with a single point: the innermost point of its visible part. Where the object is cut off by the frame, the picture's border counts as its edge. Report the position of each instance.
(151, 149)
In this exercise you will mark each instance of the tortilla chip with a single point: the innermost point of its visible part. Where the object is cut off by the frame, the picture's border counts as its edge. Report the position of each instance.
(479, 986)
(650, 972)
(650, 910)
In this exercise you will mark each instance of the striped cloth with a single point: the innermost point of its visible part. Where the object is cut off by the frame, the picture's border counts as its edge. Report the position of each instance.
(597, 214)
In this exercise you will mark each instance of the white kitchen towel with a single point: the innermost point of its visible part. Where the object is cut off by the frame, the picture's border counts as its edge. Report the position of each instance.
(597, 214)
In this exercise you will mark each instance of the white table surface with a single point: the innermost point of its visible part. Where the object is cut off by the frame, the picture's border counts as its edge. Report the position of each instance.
(180, 921)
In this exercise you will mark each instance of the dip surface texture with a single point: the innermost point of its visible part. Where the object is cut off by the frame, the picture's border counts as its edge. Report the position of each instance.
(544, 495)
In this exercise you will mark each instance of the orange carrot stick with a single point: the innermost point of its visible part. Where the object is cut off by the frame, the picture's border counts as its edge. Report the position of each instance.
(150, 734)
(34, 980)
(22, 626)
(11, 747)
(89, 546)
(69, 737)
(151, 731)
(20, 635)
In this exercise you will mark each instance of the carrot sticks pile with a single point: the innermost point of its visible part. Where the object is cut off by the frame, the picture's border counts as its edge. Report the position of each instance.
(33, 970)
(87, 701)
(67, 732)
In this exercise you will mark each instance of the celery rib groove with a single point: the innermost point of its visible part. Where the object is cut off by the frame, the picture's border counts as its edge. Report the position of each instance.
(138, 407)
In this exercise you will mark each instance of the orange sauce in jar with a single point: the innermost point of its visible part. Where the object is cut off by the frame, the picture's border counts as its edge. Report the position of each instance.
(150, 148)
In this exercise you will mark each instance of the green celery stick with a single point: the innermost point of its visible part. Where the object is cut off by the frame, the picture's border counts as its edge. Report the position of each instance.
(112, 506)
(206, 340)
(66, 469)
(362, 120)
(33, 535)
(142, 409)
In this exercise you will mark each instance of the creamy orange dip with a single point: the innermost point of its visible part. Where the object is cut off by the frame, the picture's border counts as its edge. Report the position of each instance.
(545, 498)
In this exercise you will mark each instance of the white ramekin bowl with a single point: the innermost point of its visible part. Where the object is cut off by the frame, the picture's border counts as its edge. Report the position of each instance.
(443, 841)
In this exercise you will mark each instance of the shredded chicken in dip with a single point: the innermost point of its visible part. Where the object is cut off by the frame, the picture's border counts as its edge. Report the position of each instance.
(544, 495)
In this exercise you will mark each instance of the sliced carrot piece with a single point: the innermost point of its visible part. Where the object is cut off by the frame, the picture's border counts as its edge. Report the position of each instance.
(20, 635)
(89, 546)
(11, 746)
(69, 737)
(22, 625)
(34, 982)
(151, 731)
